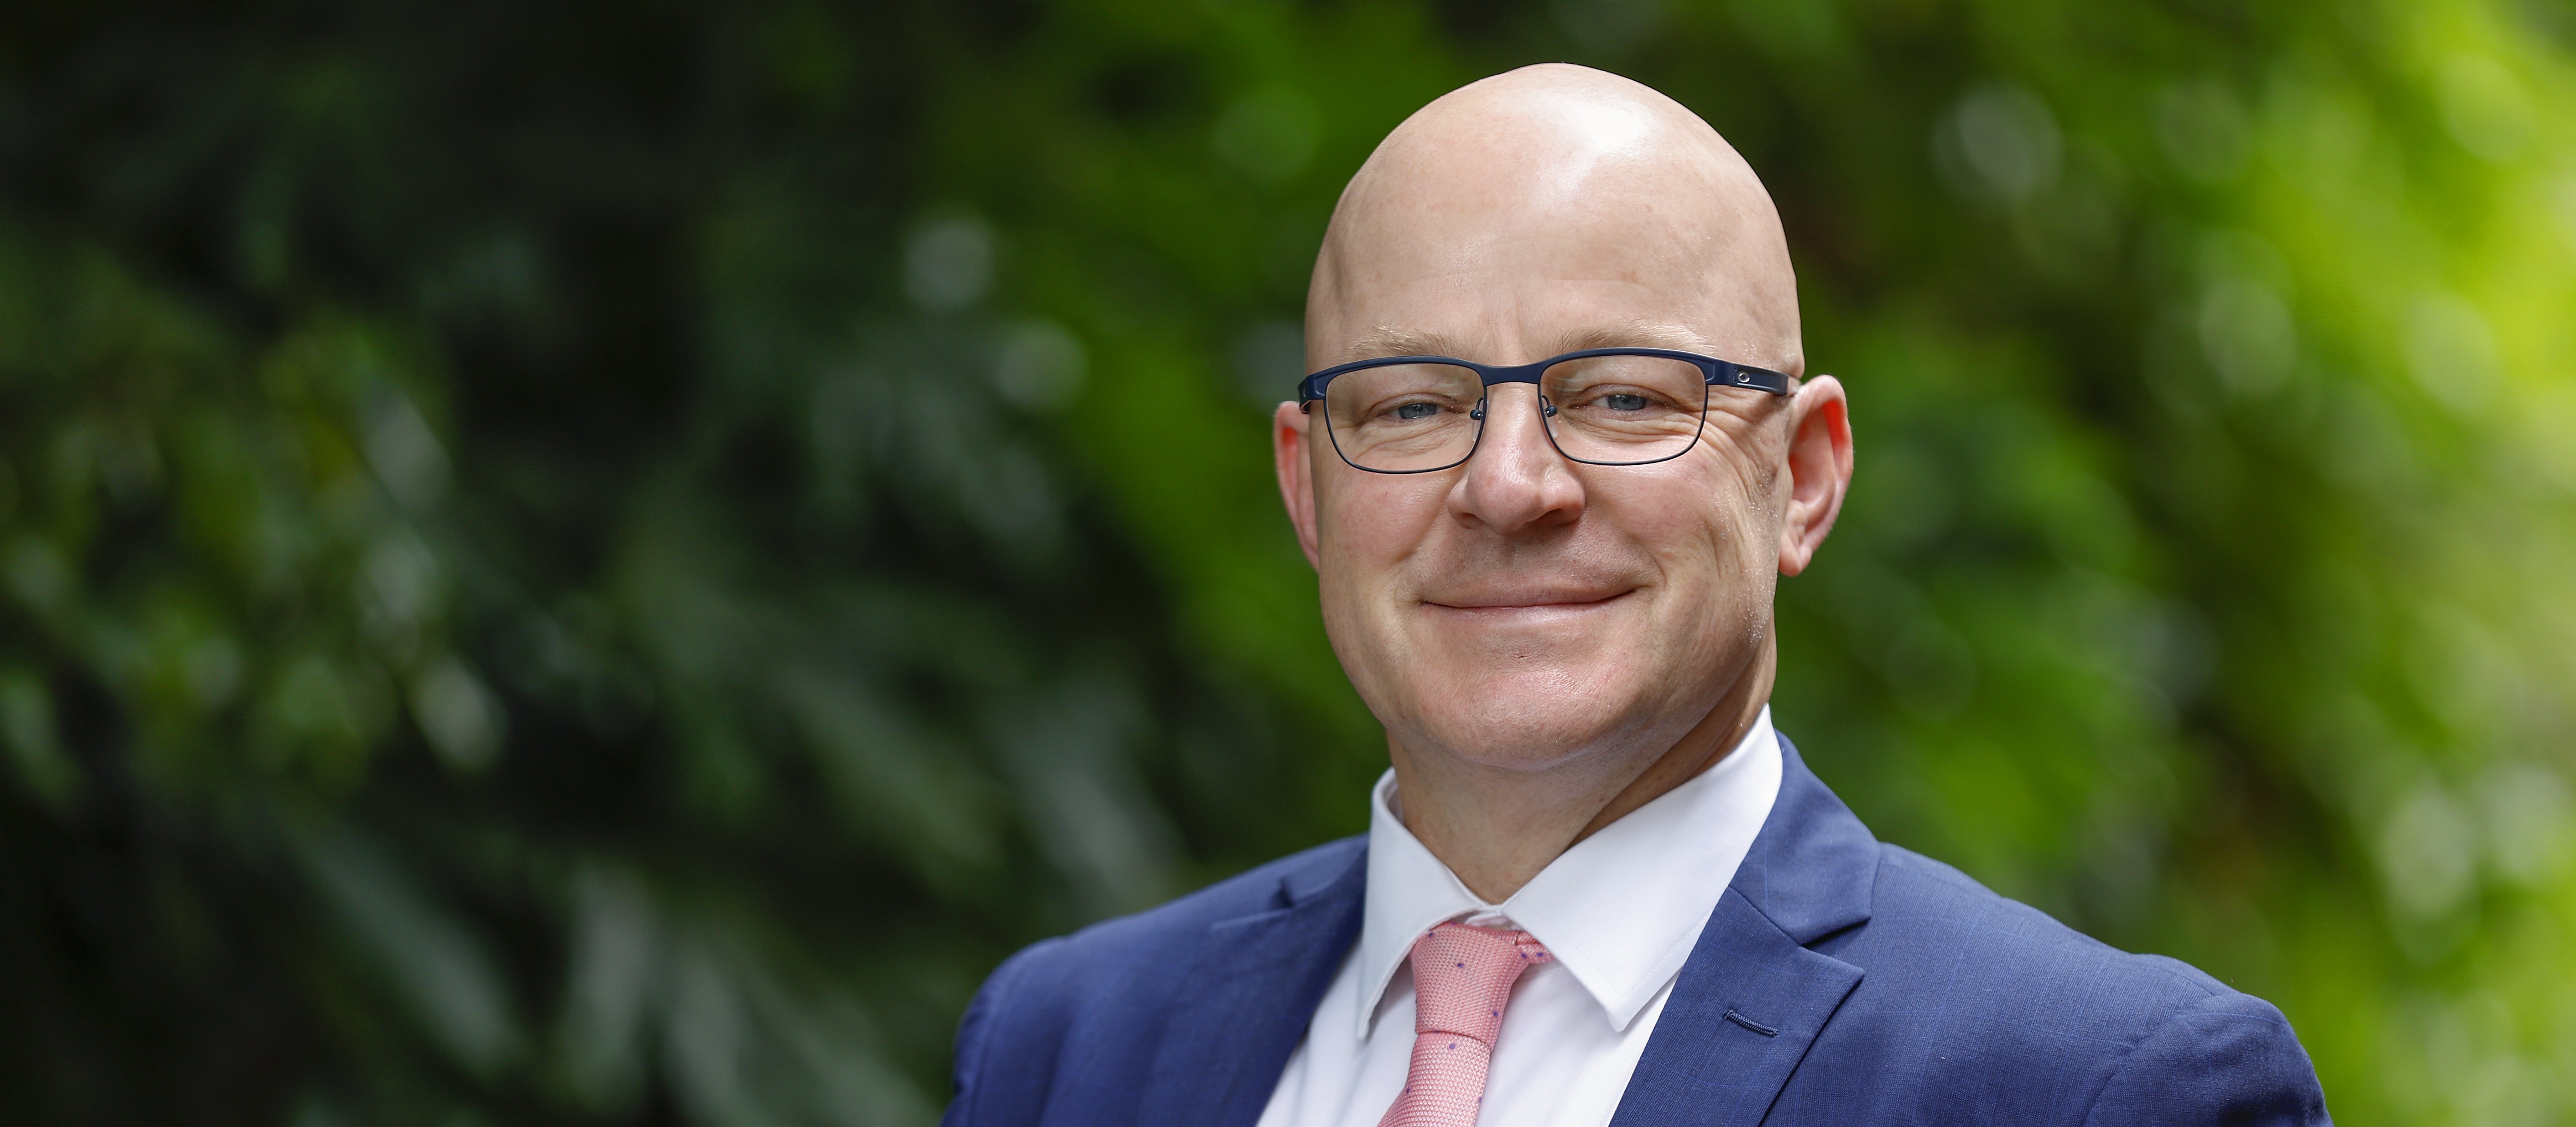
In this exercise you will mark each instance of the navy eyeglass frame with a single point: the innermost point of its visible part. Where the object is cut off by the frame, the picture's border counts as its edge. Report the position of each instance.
(1718, 373)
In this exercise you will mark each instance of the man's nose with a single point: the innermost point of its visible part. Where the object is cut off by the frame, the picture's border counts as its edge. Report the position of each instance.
(1516, 480)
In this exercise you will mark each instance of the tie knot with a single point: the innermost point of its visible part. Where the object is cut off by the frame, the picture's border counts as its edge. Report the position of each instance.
(1463, 976)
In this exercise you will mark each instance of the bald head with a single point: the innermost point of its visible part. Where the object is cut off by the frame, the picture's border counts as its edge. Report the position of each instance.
(1551, 206)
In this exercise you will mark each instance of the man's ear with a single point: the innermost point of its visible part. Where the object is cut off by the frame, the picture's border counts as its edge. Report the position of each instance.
(1820, 470)
(1288, 435)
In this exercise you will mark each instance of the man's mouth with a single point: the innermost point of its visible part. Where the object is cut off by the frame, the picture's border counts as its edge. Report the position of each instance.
(1569, 599)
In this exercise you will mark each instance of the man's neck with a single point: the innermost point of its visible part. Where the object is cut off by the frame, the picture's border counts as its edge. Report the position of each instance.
(1496, 829)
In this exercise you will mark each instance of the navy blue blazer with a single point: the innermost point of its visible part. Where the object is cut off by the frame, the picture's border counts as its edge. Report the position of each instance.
(1840, 981)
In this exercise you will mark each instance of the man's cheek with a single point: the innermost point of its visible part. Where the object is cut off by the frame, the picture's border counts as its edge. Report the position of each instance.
(1685, 535)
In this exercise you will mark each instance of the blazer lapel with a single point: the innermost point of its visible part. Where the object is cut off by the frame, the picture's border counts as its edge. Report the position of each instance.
(1250, 999)
(1752, 998)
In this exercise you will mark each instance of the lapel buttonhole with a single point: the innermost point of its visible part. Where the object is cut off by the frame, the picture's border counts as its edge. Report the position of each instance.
(1751, 1024)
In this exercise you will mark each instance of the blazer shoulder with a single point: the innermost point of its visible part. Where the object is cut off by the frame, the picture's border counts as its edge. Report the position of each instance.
(2229, 1059)
(1979, 1008)
(2019, 954)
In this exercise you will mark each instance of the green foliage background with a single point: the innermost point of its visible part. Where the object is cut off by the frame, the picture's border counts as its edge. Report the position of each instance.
(602, 563)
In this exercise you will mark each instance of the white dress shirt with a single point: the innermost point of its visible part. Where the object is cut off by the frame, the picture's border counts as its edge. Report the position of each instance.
(1620, 911)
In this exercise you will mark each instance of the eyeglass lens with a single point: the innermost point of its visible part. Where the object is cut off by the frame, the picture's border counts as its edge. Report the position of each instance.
(1612, 410)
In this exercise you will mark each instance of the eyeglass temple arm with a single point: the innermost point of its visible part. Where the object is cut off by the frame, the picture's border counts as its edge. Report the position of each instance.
(1746, 375)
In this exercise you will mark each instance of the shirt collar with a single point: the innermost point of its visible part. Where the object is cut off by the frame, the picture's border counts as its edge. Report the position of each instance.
(1621, 910)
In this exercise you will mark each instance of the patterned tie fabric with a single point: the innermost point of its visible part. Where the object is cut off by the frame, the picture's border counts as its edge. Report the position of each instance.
(1462, 980)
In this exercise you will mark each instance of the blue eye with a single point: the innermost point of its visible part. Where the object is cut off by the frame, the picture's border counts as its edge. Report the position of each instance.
(1415, 412)
(1624, 402)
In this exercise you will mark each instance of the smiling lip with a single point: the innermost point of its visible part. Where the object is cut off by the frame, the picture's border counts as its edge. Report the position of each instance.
(1535, 600)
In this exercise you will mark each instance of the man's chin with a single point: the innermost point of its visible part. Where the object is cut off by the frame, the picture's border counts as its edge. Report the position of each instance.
(1534, 717)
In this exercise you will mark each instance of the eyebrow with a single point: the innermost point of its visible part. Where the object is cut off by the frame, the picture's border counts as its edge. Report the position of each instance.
(1389, 340)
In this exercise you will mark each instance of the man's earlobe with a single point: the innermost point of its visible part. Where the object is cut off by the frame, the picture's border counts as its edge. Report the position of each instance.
(1292, 459)
(1820, 470)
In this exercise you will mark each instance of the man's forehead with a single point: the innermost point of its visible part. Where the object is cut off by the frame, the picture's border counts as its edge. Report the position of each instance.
(1507, 302)
(1407, 340)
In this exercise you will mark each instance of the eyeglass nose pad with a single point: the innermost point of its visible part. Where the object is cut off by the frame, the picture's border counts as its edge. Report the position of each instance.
(1479, 413)
(1545, 408)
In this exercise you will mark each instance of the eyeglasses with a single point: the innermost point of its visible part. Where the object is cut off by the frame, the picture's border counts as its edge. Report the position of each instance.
(1601, 406)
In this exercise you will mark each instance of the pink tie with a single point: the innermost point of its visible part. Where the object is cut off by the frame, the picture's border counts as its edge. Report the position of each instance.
(1462, 979)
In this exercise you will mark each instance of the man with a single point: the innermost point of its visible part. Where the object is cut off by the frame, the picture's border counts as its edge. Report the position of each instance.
(1554, 457)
